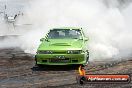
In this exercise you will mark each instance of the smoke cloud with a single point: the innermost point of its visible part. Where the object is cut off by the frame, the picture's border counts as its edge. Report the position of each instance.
(107, 23)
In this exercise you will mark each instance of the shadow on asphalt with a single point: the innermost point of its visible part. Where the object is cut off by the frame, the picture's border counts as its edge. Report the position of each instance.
(55, 68)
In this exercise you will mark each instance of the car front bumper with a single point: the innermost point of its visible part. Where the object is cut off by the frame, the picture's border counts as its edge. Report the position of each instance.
(60, 59)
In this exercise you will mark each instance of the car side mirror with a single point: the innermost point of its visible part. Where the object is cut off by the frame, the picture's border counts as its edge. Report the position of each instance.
(86, 39)
(42, 39)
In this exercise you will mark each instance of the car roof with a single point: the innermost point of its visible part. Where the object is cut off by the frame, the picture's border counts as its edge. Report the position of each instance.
(68, 28)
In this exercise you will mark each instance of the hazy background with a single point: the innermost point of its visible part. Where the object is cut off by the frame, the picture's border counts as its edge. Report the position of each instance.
(107, 23)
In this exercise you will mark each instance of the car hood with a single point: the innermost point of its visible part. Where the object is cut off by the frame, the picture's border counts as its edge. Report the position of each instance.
(61, 44)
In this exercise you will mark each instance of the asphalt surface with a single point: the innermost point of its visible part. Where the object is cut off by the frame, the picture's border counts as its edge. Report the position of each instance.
(18, 70)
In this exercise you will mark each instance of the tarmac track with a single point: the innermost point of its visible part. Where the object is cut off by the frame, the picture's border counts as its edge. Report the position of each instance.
(18, 70)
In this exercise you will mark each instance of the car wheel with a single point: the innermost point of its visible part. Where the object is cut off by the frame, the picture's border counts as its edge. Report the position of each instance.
(87, 61)
(39, 65)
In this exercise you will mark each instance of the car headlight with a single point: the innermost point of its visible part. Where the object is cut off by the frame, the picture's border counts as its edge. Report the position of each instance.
(74, 51)
(44, 52)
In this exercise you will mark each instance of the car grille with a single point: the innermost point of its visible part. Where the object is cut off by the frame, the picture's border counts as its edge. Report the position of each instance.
(57, 60)
(62, 52)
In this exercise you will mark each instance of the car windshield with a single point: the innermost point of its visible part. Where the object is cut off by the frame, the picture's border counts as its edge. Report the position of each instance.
(64, 33)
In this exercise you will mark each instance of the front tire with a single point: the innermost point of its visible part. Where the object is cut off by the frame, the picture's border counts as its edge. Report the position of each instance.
(38, 65)
(87, 59)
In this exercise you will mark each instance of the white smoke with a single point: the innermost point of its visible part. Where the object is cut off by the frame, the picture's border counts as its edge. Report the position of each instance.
(107, 24)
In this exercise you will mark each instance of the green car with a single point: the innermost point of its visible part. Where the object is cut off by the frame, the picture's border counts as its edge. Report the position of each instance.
(63, 46)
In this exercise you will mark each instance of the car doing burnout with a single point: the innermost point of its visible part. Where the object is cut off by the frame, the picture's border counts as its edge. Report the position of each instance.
(63, 46)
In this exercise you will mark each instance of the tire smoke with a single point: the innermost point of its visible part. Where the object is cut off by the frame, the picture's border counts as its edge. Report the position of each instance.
(107, 23)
